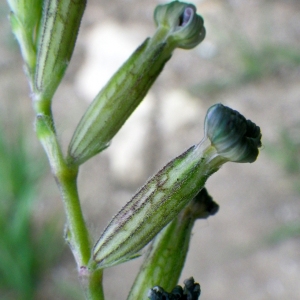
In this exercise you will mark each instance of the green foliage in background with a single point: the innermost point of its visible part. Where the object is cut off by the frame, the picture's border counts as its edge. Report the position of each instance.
(25, 252)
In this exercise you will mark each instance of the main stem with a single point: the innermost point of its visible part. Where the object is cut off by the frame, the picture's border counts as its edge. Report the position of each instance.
(66, 178)
(77, 233)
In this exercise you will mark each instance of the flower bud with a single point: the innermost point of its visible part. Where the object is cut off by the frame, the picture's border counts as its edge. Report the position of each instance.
(178, 26)
(60, 25)
(161, 199)
(234, 137)
(185, 27)
(191, 291)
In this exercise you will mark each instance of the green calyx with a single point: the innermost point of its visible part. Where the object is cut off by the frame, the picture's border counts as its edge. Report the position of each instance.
(234, 137)
(157, 203)
(185, 28)
(178, 26)
(228, 137)
(56, 42)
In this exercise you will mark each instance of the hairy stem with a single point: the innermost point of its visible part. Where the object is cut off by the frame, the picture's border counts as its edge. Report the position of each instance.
(66, 178)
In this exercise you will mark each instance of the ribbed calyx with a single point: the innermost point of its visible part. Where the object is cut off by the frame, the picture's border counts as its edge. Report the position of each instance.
(228, 137)
(178, 26)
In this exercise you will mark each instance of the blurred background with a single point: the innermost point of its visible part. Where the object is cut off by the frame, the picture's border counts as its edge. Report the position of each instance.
(250, 61)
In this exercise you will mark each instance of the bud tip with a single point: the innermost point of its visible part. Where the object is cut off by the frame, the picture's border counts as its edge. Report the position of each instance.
(234, 137)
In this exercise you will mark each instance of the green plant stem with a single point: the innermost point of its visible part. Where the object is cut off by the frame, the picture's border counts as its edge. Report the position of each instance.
(167, 254)
(42, 105)
(66, 178)
(77, 233)
(160, 267)
(91, 281)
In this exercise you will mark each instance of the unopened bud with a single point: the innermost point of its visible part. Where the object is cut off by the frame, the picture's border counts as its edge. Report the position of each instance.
(59, 29)
(191, 291)
(162, 198)
(178, 26)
